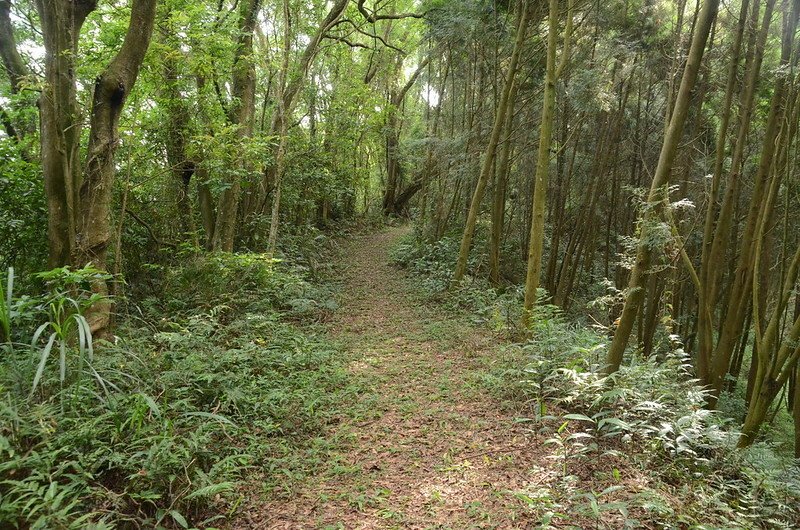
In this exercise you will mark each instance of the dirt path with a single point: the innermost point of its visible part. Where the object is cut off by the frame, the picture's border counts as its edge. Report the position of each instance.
(436, 451)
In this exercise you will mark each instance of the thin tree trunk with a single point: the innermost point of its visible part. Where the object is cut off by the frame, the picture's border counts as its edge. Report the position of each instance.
(241, 112)
(499, 193)
(661, 179)
(181, 167)
(553, 71)
(290, 86)
(488, 159)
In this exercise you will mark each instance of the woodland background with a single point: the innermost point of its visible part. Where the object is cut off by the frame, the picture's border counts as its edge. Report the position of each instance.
(625, 169)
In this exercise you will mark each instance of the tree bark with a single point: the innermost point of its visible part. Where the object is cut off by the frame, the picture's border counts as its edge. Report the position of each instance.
(181, 167)
(112, 87)
(60, 123)
(536, 239)
(242, 111)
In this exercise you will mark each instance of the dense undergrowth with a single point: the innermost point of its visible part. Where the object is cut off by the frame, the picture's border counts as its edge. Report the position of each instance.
(636, 450)
(218, 368)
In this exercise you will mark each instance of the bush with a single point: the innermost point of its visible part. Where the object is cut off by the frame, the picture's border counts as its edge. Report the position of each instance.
(650, 415)
(23, 211)
(433, 263)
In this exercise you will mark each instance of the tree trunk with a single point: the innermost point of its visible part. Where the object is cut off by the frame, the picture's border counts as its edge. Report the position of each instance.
(499, 193)
(488, 159)
(181, 167)
(715, 248)
(536, 240)
(112, 87)
(242, 112)
(290, 86)
(60, 123)
(657, 194)
(17, 72)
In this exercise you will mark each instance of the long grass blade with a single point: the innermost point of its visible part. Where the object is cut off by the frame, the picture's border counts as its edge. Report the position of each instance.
(87, 333)
(42, 361)
(101, 381)
(5, 306)
(62, 362)
(81, 338)
(5, 316)
(151, 404)
(10, 287)
(210, 416)
(38, 333)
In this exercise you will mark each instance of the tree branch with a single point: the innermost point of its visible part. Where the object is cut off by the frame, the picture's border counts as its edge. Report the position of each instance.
(348, 42)
(149, 229)
(14, 66)
(374, 17)
(398, 98)
(373, 36)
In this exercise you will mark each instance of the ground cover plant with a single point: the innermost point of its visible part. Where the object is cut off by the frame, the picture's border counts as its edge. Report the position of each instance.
(220, 373)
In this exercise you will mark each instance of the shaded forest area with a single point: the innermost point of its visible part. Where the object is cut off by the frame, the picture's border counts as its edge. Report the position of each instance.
(610, 188)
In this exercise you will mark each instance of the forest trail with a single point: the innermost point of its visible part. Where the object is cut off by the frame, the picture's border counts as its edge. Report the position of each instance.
(436, 452)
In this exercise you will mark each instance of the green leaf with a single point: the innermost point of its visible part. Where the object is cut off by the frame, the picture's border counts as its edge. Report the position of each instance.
(613, 421)
(83, 324)
(62, 362)
(42, 361)
(578, 417)
(152, 405)
(610, 489)
(211, 490)
(210, 416)
(180, 519)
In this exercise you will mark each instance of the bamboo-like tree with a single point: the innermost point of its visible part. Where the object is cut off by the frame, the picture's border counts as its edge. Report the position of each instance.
(494, 139)
(658, 188)
(553, 71)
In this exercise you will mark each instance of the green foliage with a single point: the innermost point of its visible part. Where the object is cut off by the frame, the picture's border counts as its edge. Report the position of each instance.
(653, 412)
(433, 263)
(214, 378)
(70, 296)
(23, 217)
(650, 415)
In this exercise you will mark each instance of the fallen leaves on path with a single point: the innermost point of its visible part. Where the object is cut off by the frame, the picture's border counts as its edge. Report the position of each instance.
(437, 453)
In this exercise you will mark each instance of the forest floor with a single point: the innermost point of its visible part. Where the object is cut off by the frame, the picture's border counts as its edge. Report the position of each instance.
(434, 450)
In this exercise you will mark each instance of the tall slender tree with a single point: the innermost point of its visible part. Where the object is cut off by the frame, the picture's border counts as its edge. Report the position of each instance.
(658, 193)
